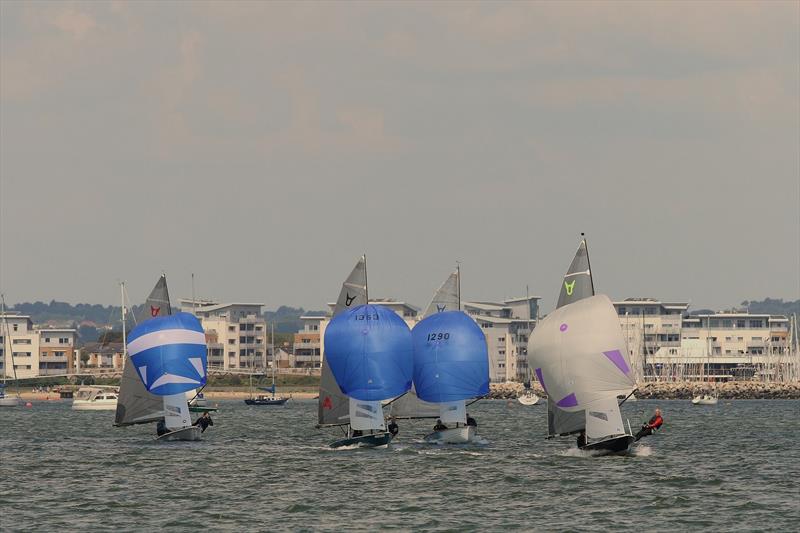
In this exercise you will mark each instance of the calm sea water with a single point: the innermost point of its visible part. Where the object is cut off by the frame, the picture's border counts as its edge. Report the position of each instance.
(732, 467)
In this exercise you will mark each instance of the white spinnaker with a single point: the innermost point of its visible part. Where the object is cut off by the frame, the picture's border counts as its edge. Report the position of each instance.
(603, 419)
(365, 415)
(453, 412)
(580, 353)
(446, 297)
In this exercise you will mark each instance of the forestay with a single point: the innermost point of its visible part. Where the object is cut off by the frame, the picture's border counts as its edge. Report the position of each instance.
(333, 405)
(579, 355)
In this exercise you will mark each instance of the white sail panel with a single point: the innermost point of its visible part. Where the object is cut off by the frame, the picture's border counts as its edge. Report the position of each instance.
(603, 419)
(579, 356)
(365, 415)
(333, 405)
(176, 411)
(447, 298)
(453, 412)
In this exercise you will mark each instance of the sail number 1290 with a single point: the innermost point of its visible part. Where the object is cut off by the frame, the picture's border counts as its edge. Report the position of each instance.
(438, 336)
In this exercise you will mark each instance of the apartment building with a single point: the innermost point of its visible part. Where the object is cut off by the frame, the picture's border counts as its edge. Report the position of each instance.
(21, 340)
(507, 326)
(236, 333)
(737, 344)
(652, 332)
(58, 351)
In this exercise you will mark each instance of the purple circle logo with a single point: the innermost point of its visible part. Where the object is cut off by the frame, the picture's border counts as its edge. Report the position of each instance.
(563, 327)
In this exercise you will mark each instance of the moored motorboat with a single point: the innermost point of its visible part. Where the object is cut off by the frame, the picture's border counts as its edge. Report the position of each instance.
(528, 397)
(95, 398)
(705, 399)
(263, 399)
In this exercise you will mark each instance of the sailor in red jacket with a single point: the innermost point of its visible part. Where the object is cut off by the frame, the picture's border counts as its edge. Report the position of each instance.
(652, 425)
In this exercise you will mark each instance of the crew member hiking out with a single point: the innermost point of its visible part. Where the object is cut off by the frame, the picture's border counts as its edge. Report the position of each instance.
(204, 421)
(651, 426)
(393, 428)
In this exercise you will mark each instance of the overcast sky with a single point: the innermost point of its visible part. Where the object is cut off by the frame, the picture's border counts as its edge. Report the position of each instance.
(265, 146)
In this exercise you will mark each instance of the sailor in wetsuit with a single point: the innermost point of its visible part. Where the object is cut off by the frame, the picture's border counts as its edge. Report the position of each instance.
(161, 428)
(204, 421)
(652, 425)
(439, 426)
(471, 421)
(582, 439)
(393, 428)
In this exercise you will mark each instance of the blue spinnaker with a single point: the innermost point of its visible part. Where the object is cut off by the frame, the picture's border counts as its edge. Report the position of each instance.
(451, 361)
(169, 354)
(370, 353)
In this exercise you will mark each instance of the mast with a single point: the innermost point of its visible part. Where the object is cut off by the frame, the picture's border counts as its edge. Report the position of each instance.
(366, 281)
(588, 262)
(124, 332)
(458, 274)
(272, 343)
(7, 338)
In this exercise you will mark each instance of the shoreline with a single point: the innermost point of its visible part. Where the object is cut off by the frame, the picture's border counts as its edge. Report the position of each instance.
(731, 390)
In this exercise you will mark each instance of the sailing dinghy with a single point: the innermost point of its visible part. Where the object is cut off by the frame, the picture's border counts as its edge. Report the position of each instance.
(578, 355)
(336, 409)
(138, 404)
(451, 366)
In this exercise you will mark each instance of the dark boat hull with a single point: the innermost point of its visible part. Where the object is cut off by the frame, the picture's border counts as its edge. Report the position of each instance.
(364, 441)
(277, 401)
(613, 446)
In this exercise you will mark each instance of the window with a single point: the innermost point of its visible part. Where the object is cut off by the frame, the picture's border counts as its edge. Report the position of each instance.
(756, 323)
(58, 354)
(758, 339)
(740, 323)
(44, 354)
(22, 341)
(47, 339)
(231, 328)
(501, 339)
(714, 323)
(727, 323)
(63, 340)
(231, 354)
(16, 327)
(621, 311)
(231, 341)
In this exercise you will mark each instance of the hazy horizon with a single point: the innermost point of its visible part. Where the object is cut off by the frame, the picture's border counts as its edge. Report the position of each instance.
(266, 146)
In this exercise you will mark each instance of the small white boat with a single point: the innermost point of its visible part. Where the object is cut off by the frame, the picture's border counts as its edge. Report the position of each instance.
(459, 435)
(704, 399)
(8, 401)
(97, 398)
(528, 398)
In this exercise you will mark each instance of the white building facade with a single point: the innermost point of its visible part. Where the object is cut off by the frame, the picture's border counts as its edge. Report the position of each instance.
(236, 334)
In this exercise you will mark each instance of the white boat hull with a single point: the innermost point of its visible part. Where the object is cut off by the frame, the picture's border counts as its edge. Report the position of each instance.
(96, 405)
(188, 433)
(528, 398)
(459, 435)
(704, 400)
(9, 401)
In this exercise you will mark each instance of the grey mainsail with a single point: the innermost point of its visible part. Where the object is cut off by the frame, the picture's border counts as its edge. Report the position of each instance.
(577, 285)
(447, 297)
(410, 406)
(135, 404)
(333, 408)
